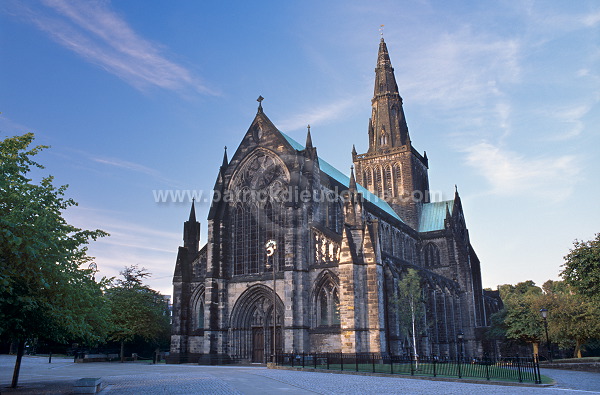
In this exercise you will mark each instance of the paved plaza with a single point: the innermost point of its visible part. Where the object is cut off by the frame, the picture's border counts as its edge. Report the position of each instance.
(40, 377)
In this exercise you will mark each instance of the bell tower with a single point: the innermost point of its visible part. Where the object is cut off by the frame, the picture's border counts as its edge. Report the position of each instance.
(391, 168)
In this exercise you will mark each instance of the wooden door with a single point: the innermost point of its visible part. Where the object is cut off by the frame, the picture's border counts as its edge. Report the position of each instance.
(258, 345)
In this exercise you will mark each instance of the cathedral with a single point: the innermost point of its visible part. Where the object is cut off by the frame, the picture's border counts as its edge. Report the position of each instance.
(340, 250)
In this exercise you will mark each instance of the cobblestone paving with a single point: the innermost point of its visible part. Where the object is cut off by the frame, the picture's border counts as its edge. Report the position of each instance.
(168, 384)
(39, 377)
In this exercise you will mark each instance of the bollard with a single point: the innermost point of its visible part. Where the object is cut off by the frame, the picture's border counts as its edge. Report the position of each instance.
(50, 357)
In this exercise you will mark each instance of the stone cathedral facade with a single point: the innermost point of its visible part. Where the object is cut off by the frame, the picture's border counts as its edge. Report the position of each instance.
(344, 244)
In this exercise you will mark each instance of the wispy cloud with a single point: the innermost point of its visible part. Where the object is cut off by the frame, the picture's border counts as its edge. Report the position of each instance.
(511, 174)
(136, 167)
(319, 115)
(460, 69)
(571, 117)
(101, 36)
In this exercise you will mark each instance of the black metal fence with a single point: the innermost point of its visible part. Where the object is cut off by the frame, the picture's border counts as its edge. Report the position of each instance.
(516, 369)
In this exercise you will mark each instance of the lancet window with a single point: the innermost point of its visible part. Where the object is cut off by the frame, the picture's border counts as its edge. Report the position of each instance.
(328, 305)
(431, 255)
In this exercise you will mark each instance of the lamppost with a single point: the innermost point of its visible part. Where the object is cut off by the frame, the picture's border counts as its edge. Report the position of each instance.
(270, 248)
(544, 313)
(460, 337)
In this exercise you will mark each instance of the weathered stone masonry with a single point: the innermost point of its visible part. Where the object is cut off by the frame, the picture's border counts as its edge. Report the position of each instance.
(344, 245)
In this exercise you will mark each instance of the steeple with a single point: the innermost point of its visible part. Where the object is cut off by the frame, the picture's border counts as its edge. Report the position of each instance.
(308, 138)
(387, 126)
(192, 212)
(352, 184)
(225, 161)
(191, 232)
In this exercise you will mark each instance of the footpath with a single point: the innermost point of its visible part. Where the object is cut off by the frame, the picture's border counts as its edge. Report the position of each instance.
(40, 377)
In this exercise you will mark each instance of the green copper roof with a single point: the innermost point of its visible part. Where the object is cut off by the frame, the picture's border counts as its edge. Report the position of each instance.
(345, 180)
(433, 215)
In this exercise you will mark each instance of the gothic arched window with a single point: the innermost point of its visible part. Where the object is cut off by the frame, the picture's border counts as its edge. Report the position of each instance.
(369, 179)
(389, 192)
(200, 322)
(378, 180)
(431, 255)
(239, 253)
(398, 179)
(328, 305)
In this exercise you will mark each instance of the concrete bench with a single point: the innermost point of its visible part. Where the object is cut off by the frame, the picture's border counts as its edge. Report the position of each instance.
(87, 385)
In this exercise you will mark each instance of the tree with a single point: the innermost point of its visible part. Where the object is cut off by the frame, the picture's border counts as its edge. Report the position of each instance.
(136, 309)
(582, 268)
(520, 318)
(573, 320)
(411, 305)
(44, 291)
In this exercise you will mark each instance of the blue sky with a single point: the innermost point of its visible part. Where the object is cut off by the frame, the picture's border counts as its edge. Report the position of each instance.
(137, 96)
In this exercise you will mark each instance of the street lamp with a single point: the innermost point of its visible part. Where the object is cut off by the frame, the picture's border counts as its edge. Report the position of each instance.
(544, 313)
(270, 248)
(460, 335)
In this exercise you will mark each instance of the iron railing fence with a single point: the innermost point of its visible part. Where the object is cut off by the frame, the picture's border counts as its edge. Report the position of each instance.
(516, 369)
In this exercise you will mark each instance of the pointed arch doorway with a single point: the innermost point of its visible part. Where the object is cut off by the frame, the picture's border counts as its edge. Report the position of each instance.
(252, 328)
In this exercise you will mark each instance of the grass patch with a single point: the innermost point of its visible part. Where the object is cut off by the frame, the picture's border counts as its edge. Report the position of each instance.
(445, 370)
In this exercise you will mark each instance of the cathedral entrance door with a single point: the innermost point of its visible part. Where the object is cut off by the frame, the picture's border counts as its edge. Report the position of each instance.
(258, 345)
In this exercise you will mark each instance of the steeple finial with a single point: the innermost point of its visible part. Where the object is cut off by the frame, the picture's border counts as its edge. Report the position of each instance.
(225, 161)
(381, 31)
(352, 185)
(193, 212)
(259, 100)
(308, 138)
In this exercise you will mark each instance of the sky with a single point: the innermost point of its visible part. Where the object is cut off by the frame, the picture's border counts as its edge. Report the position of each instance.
(137, 97)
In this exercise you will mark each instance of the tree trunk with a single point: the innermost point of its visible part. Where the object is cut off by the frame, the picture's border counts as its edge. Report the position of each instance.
(20, 352)
(577, 351)
(122, 350)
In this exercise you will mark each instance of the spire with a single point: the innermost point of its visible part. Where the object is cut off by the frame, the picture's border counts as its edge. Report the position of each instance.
(308, 138)
(191, 231)
(352, 185)
(353, 150)
(387, 127)
(225, 161)
(193, 212)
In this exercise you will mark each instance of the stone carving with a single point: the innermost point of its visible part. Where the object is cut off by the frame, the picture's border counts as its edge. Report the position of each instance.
(325, 249)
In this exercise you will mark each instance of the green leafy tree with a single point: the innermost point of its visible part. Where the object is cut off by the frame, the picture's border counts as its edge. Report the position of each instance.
(582, 268)
(573, 320)
(411, 305)
(137, 310)
(520, 318)
(44, 291)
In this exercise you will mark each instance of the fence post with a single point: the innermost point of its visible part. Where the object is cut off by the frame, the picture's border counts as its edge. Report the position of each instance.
(434, 366)
(315, 360)
(412, 366)
(327, 356)
(373, 355)
(356, 361)
(487, 362)
(459, 372)
(536, 369)
(391, 364)
(519, 368)
(342, 360)
(302, 360)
